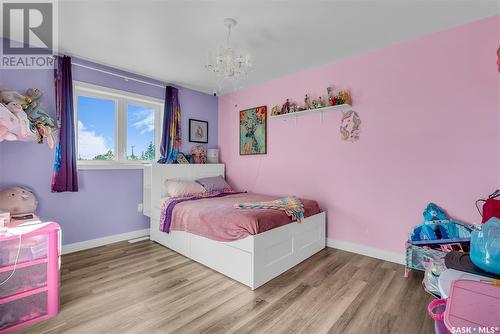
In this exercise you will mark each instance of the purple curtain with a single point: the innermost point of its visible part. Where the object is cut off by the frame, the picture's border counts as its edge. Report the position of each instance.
(171, 135)
(64, 177)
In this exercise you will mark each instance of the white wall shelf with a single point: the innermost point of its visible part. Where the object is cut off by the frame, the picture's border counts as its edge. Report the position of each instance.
(310, 111)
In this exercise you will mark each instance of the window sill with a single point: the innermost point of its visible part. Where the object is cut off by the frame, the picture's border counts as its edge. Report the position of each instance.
(110, 165)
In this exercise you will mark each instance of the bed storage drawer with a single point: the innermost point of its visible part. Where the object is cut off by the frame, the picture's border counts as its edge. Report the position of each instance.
(22, 310)
(219, 256)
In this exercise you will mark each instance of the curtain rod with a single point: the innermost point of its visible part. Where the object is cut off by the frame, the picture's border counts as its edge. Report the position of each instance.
(117, 75)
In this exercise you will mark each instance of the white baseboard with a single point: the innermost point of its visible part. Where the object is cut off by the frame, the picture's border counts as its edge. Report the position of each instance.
(133, 241)
(399, 258)
(143, 234)
(78, 246)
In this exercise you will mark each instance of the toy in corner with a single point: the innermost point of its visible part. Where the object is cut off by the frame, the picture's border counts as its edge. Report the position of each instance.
(198, 155)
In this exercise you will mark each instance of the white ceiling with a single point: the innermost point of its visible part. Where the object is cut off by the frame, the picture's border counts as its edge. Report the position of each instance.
(169, 40)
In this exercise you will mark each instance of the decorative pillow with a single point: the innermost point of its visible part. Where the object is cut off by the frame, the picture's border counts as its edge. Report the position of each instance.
(176, 188)
(215, 183)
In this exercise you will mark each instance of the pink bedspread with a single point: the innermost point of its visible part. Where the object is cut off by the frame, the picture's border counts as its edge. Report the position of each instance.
(217, 219)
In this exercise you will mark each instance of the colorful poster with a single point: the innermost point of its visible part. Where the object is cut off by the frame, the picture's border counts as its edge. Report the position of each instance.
(253, 131)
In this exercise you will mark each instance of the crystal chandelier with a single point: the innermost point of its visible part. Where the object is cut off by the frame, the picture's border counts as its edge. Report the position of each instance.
(226, 62)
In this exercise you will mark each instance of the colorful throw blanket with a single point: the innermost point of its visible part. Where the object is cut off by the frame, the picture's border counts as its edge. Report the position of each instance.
(168, 205)
(292, 206)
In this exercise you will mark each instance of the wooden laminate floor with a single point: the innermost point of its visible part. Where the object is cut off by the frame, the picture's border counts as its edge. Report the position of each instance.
(147, 288)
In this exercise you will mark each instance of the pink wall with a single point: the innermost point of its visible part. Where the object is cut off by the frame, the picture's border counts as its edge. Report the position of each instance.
(431, 132)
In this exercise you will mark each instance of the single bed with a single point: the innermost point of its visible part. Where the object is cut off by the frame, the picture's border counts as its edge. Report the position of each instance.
(250, 259)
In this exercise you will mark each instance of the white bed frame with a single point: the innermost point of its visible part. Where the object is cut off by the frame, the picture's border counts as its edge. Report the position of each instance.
(253, 260)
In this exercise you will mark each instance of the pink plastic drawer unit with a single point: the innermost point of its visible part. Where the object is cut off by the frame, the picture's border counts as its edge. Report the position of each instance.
(29, 270)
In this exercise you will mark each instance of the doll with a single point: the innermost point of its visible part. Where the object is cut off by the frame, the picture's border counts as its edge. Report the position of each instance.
(307, 103)
(331, 98)
(286, 107)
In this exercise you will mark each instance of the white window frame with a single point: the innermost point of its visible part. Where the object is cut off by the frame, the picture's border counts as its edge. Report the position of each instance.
(122, 99)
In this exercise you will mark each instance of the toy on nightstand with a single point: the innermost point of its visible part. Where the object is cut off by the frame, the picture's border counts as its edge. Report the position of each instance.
(20, 202)
(198, 155)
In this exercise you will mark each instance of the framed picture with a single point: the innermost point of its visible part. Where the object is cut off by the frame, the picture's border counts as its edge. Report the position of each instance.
(198, 131)
(253, 131)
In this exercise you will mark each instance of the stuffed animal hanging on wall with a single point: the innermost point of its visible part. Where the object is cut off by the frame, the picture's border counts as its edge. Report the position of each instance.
(350, 126)
(26, 121)
(25, 132)
(8, 124)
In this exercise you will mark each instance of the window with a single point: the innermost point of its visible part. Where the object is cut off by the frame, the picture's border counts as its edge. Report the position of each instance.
(140, 132)
(115, 129)
(96, 128)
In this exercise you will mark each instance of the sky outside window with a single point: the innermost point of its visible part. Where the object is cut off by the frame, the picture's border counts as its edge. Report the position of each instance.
(140, 132)
(96, 128)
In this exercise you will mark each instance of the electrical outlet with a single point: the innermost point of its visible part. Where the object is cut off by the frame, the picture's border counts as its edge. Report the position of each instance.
(139, 207)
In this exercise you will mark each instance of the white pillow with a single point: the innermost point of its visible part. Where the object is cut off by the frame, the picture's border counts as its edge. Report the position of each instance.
(177, 188)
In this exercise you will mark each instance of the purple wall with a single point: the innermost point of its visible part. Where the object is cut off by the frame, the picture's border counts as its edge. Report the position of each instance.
(107, 201)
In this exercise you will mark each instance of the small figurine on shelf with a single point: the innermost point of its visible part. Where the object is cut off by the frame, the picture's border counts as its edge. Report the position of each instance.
(313, 104)
(332, 99)
(345, 96)
(293, 107)
(320, 103)
(286, 107)
(307, 102)
(340, 100)
(275, 111)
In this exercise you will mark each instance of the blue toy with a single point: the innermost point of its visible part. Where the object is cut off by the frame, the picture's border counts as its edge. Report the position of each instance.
(438, 228)
(433, 212)
(485, 247)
